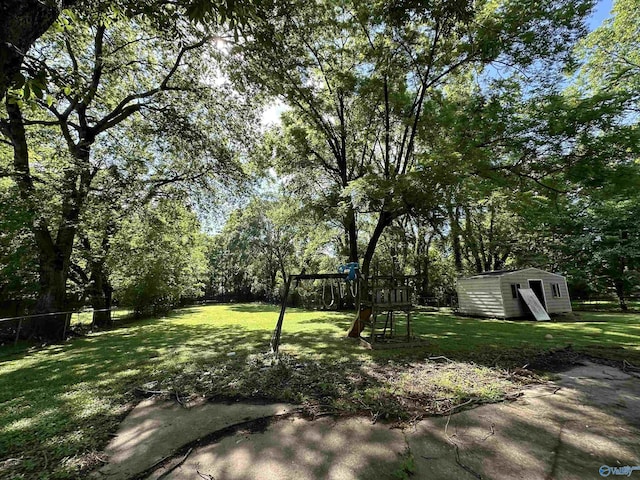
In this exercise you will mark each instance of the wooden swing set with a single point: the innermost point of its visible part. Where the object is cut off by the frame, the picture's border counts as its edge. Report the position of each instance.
(377, 298)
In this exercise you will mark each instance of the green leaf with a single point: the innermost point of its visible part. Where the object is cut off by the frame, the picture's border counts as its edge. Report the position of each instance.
(36, 90)
(19, 80)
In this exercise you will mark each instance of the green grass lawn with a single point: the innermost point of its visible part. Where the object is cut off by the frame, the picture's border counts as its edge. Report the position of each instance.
(85, 317)
(604, 305)
(59, 404)
(604, 334)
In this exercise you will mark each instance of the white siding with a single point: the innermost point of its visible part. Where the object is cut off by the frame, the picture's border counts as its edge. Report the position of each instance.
(480, 296)
(514, 308)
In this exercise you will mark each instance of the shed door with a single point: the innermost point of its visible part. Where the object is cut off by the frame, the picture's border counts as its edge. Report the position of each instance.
(536, 286)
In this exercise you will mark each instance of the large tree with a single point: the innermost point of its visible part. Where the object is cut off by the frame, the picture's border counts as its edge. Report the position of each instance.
(97, 82)
(23, 22)
(157, 258)
(365, 81)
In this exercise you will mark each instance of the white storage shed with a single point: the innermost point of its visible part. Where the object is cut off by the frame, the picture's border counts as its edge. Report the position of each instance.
(495, 294)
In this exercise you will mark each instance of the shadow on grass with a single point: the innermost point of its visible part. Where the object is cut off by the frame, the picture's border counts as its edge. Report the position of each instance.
(65, 400)
(253, 307)
(489, 342)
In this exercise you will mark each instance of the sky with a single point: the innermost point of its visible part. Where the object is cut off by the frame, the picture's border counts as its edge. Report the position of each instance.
(601, 12)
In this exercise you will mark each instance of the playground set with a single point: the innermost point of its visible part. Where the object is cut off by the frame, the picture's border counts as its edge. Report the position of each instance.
(383, 304)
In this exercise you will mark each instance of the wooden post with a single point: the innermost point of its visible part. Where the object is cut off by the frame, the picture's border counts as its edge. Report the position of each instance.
(18, 332)
(373, 327)
(275, 338)
(357, 327)
(67, 320)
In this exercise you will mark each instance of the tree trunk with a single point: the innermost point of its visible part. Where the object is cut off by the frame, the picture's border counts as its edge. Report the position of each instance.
(352, 235)
(425, 272)
(97, 285)
(22, 22)
(100, 295)
(454, 221)
(619, 286)
(383, 221)
(54, 261)
(51, 299)
(54, 254)
(470, 240)
(619, 282)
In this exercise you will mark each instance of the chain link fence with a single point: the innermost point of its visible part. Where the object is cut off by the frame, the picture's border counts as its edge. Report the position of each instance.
(12, 329)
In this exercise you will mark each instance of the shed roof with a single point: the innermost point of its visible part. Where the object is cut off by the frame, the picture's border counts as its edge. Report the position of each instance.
(495, 273)
(500, 273)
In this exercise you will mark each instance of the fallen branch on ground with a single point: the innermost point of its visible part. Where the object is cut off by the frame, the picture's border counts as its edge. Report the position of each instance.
(455, 446)
(145, 392)
(629, 366)
(176, 465)
(441, 357)
(463, 466)
(374, 415)
(492, 432)
(206, 476)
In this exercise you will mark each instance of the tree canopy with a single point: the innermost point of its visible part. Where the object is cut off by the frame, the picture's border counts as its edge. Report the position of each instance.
(436, 138)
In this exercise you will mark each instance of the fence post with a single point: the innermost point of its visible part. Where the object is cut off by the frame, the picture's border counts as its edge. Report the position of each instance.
(66, 320)
(18, 332)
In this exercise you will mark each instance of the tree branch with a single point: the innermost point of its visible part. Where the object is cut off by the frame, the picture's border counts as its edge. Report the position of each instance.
(125, 109)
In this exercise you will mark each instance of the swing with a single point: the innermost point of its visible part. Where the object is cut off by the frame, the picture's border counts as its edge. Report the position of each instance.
(333, 297)
(353, 288)
(373, 297)
(306, 297)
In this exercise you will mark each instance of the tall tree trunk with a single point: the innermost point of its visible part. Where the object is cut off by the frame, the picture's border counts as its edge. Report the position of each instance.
(53, 260)
(425, 272)
(619, 286)
(100, 293)
(619, 282)
(454, 221)
(470, 240)
(22, 22)
(52, 296)
(54, 253)
(352, 235)
(98, 286)
(383, 222)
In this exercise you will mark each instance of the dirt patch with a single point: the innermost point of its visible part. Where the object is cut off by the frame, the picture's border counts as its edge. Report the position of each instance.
(399, 390)
(395, 390)
(563, 359)
(556, 360)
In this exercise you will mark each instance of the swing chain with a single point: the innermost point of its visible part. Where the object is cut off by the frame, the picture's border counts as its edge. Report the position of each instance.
(333, 297)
